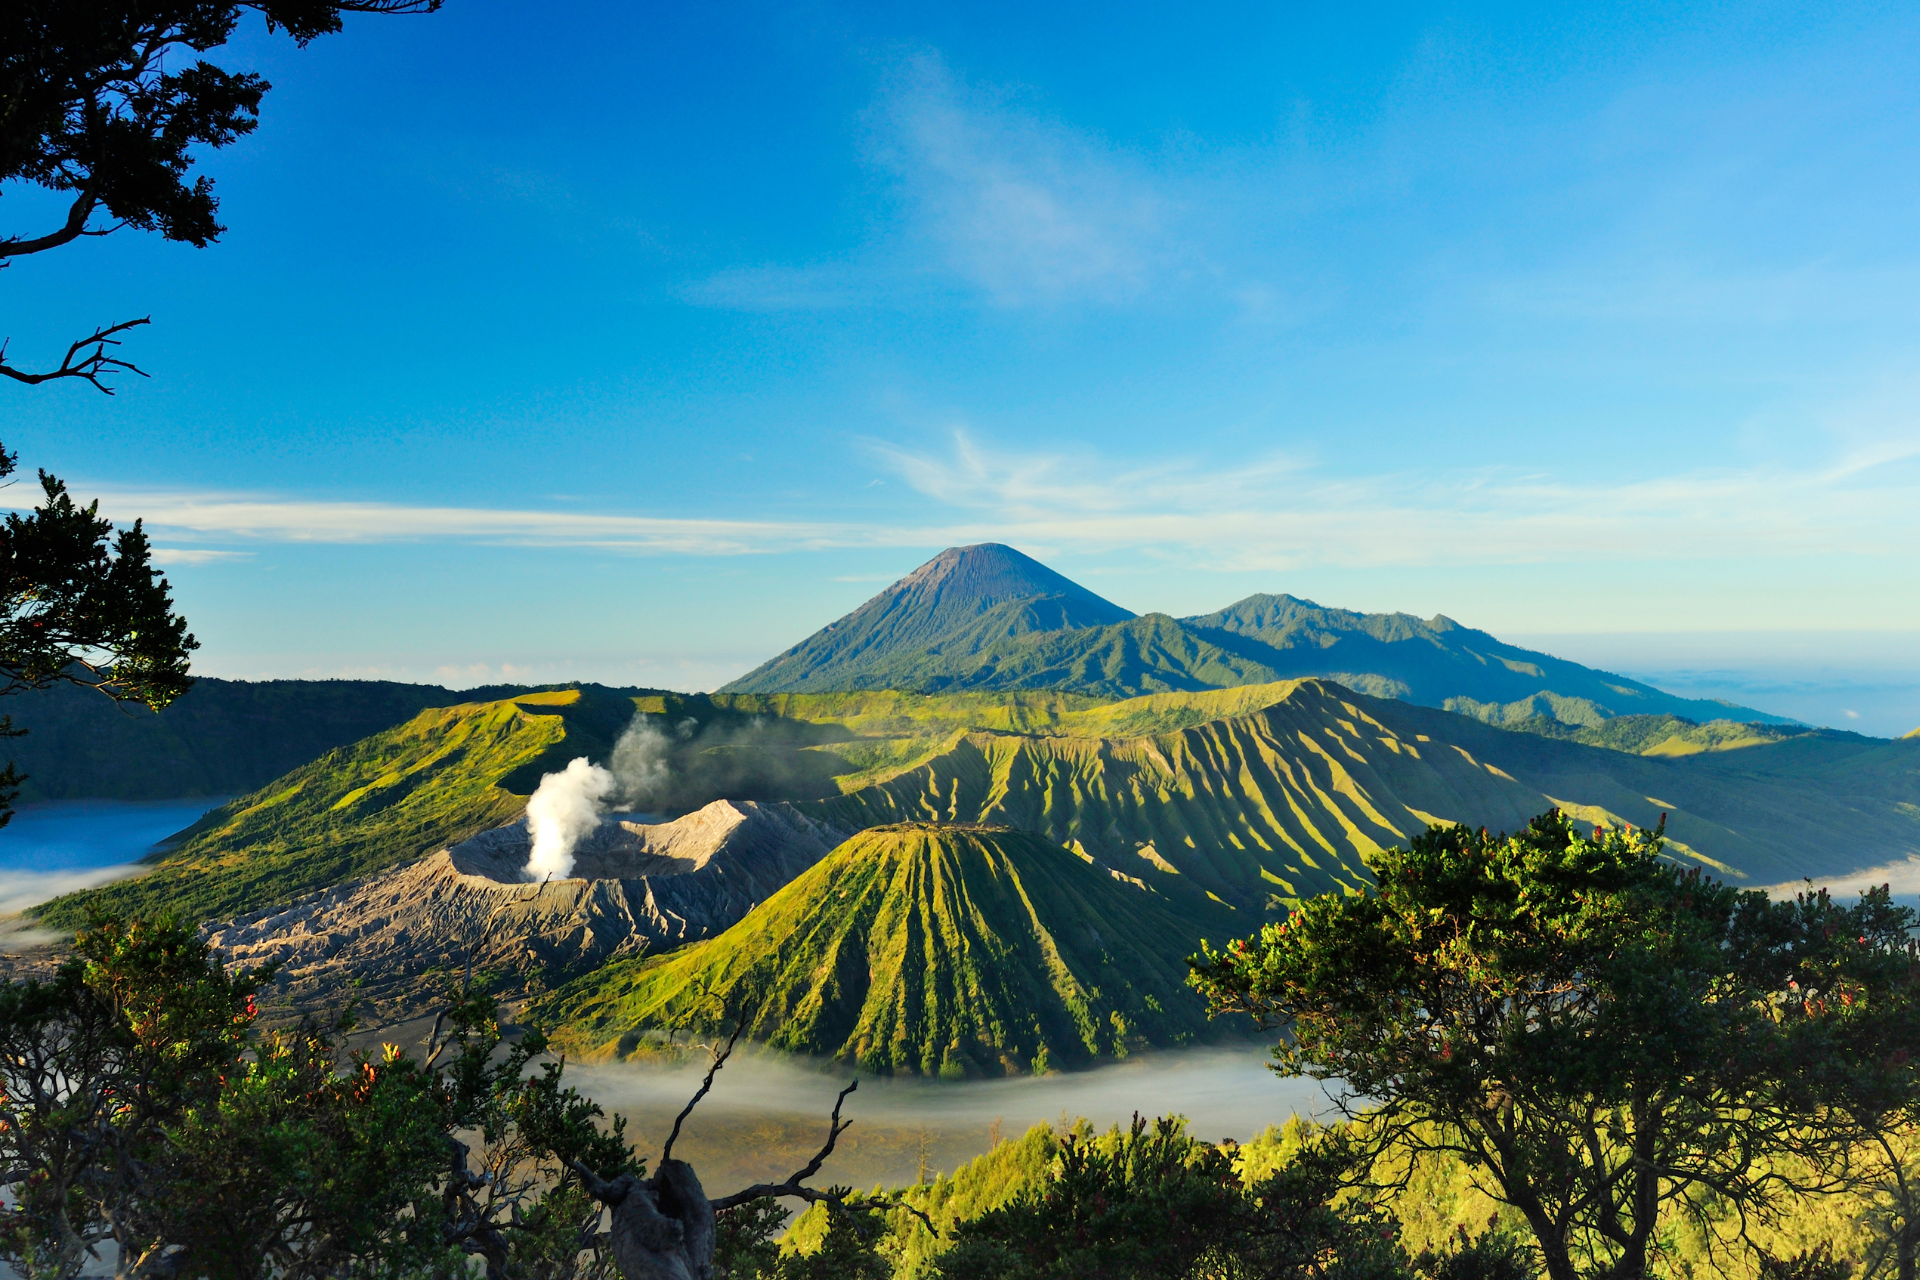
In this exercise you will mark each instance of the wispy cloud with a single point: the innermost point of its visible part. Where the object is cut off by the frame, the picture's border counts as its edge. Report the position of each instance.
(997, 198)
(1279, 513)
(245, 517)
(1026, 207)
(1273, 512)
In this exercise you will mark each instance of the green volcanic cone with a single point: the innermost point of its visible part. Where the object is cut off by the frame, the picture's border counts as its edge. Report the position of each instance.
(925, 949)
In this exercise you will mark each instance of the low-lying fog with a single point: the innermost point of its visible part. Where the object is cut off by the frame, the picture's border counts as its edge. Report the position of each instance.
(767, 1114)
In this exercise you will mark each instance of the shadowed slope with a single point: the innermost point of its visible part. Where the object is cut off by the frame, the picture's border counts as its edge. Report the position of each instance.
(924, 949)
(222, 737)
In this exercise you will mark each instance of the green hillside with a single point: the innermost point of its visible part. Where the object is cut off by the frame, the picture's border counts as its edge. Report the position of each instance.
(223, 737)
(442, 776)
(1287, 792)
(928, 950)
(988, 618)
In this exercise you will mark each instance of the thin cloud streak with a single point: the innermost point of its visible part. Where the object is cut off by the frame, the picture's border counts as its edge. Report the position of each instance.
(1272, 513)
(267, 519)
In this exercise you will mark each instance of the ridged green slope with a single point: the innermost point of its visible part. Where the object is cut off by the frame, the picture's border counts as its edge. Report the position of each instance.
(924, 949)
(1289, 799)
(1281, 802)
(446, 774)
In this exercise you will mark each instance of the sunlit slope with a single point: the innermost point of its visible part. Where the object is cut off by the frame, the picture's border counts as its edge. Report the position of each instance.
(806, 745)
(927, 950)
(1284, 801)
(442, 776)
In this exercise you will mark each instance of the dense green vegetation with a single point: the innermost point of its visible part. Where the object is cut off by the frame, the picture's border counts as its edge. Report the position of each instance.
(989, 618)
(933, 950)
(141, 1108)
(442, 776)
(140, 1105)
(1608, 1041)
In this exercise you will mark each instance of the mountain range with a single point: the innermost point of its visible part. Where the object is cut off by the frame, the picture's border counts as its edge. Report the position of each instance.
(970, 878)
(987, 617)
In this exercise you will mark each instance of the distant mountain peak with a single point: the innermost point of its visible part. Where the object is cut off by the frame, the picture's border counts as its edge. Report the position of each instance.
(945, 597)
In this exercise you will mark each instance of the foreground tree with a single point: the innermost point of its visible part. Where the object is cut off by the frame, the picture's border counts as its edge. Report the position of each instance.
(1601, 1035)
(140, 1104)
(97, 104)
(82, 603)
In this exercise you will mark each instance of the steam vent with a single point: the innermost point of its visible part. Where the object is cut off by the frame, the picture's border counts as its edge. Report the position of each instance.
(636, 887)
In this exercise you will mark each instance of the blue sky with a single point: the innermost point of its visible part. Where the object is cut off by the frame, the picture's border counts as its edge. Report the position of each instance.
(635, 343)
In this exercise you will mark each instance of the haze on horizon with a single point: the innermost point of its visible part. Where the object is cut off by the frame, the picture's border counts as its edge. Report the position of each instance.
(635, 345)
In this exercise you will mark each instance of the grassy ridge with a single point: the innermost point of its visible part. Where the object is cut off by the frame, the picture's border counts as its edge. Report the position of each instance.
(1256, 809)
(927, 950)
(444, 775)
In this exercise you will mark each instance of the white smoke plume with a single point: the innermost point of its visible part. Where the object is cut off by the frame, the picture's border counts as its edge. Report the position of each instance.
(565, 807)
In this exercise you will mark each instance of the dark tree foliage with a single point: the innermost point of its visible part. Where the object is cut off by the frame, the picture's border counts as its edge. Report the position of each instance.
(106, 102)
(82, 603)
(1600, 1034)
(1154, 1204)
(139, 1104)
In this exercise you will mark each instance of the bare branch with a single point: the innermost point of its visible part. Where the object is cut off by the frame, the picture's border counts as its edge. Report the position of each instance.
(719, 1060)
(90, 365)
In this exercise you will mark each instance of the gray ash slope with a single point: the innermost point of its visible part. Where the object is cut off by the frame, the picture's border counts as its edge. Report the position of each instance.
(989, 618)
(638, 887)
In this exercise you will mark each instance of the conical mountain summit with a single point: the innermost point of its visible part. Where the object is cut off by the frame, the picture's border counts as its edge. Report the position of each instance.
(988, 591)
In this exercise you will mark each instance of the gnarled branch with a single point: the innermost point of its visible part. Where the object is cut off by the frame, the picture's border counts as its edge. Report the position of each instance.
(81, 363)
(792, 1187)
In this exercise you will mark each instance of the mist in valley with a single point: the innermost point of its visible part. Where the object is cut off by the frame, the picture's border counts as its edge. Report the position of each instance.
(767, 1113)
